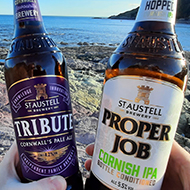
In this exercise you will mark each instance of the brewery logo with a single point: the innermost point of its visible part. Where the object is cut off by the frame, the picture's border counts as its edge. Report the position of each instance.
(37, 95)
(41, 100)
(49, 157)
(143, 94)
(41, 91)
(140, 106)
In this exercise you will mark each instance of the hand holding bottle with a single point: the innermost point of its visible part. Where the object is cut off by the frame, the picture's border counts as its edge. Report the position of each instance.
(177, 175)
(9, 179)
(142, 97)
(37, 83)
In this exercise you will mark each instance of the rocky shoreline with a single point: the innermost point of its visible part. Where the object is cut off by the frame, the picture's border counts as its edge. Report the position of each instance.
(86, 66)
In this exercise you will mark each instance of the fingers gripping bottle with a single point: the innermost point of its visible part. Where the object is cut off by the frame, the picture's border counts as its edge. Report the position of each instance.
(38, 90)
(141, 103)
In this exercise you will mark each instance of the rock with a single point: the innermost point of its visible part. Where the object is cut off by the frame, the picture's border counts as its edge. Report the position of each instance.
(6, 40)
(114, 45)
(3, 52)
(101, 44)
(94, 44)
(86, 130)
(99, 67)
(78, 64)
(80, 43)
(3, 95)
(183, 141)
(104, 61)
(63, 43)
(83, 44)
(97, 59)
(87, 53)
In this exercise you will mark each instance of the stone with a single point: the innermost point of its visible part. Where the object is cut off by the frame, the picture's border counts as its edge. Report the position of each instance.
(63, 43)
(80, 43)
(86, 44)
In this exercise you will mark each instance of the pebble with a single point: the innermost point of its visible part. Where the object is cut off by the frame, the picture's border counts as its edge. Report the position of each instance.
(83, 44)
(63, 43)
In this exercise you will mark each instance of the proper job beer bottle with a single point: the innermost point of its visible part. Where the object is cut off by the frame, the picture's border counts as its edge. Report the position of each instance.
(142, 99)
(38, 90)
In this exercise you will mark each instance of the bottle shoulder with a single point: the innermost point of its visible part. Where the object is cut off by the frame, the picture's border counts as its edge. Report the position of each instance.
(151, 43)
(31, 44)
(168, 67)
(150, 50)
(45, 63)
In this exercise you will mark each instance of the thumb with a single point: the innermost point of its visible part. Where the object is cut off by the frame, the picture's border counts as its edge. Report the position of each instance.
(51, 183)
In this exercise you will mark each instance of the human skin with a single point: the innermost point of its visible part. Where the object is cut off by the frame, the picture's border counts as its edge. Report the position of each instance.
(9, 175)
(177, 176)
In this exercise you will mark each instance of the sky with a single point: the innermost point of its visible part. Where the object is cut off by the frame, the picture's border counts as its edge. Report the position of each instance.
(97, 8)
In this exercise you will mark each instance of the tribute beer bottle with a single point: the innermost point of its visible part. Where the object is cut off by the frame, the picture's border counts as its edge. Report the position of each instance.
(38, 90)
(142, 98)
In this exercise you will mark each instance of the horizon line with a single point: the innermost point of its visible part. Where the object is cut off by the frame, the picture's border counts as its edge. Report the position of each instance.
(60, 16)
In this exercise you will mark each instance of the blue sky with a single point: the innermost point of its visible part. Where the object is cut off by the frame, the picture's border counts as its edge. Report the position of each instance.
(102, 8)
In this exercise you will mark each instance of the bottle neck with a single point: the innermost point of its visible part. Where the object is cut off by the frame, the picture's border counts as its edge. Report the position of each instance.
(156, 16)
(27, 18)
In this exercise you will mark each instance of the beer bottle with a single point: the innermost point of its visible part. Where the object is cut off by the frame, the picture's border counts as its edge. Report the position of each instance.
(39, 96)
(142, 99)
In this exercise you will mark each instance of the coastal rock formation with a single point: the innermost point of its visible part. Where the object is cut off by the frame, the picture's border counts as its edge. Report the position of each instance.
(129, 15)
(86, 66)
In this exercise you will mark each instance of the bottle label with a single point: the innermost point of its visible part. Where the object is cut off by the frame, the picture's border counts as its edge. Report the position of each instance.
(27, 10)
(137, 124)
(157, 10)
(42, 118)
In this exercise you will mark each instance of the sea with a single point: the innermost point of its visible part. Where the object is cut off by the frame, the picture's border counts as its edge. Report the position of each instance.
(69, 31)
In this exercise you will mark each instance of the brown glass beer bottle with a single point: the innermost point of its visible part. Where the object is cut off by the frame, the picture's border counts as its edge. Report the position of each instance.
(38, 90)
(142, 99)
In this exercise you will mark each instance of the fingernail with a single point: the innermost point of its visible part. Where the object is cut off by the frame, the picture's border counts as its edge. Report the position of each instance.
(59, 182)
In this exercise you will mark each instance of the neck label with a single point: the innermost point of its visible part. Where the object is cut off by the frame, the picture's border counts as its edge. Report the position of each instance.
(27, 10)
(157, 10)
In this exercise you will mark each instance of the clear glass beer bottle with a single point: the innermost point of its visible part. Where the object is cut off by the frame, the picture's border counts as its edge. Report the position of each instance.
(39, 96)
(141, 103)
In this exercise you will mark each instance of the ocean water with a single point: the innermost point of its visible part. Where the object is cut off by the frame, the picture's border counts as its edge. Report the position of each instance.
(72, 30)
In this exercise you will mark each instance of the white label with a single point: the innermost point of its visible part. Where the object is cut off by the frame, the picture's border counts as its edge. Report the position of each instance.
(137, 124)
(157, 10)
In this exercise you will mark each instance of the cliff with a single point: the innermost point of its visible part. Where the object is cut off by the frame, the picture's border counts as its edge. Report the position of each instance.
(129, 15)
(183, 9)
